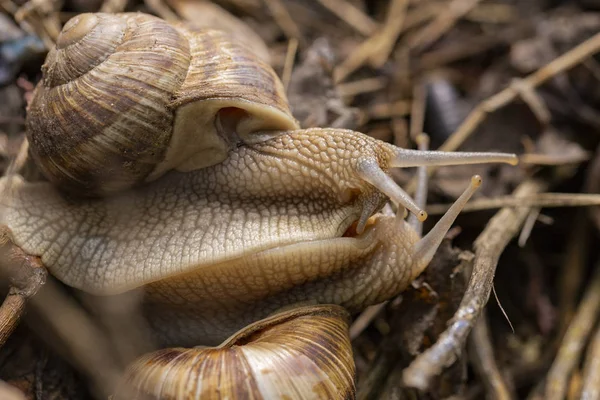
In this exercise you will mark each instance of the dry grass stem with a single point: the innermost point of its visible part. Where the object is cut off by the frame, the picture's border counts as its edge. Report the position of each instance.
(86, 345)
(36, 18)
(528, 226)
(447, 17)
(494, 13)
(560, 64)
(377, 48)
(26, 275)
(482, 354)
(388, 35)
(501, 99)
(533, 100)
(288, 66)
(351, 89)
(161, 9)
(113, 6)
(351, 15)
(421, 13)
(399, 108)
(572, 269)
(488, 247)
(355, 60)
(574, 341)
(19, 162)
(365, 318)
(417, 113)
(468, 48)
(591, 370)
(10, 313)
(284, 20)
(539, 200)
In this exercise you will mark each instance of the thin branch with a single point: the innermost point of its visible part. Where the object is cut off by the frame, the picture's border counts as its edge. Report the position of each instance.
(288, 66)
(591, 370)
(539, 201)
(377, 48)
(284, 20)
(353, 16)
(365, 318)
(561, 64)
(485, 362)
(444, 21)
(574, 341)
(488, 247)
(26, 275)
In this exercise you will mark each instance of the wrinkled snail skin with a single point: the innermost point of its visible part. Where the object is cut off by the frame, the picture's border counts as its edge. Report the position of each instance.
(226, 245)
(123, 95)
(303, 353)
(220, 247)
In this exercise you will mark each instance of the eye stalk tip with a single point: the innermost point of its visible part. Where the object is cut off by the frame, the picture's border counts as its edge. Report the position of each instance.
(422, 139)
(476, 181)
(421, 215)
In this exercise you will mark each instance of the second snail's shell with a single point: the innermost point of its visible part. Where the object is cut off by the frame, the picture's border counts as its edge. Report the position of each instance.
(304, 353)
(127, 97)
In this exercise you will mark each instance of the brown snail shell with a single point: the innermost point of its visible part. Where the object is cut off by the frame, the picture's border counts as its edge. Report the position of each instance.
(304, 353)
(126, 97)
(203, 14)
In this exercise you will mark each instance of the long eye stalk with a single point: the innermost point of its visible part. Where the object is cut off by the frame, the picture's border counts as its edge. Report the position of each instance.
(421, 190)
(427, 246)
(405, 158)
(370, 170)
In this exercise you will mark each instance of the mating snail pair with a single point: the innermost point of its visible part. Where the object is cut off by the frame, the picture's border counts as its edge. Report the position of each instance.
(175, 165)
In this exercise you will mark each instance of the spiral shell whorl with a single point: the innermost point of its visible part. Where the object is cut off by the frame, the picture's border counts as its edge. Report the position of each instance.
(127, 97)
(301, 354)
(85, 41)
(100, 120)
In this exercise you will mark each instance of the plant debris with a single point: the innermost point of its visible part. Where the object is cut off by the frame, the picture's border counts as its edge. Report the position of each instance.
(485, 75)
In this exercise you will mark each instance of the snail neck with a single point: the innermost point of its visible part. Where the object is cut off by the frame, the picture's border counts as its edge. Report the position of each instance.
(205, 131)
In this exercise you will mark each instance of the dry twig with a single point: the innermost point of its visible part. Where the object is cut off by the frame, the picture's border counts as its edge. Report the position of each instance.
(288, 67)
(561, 64)
(285, 21)
(501, 99)
(376, 48)
(488, 247)
(485, 363)
(447, 17)
(573, 269)
(354, 17)
(539, 200)
(591, 370)
(574, 341)
(417, 113)
(26, 275)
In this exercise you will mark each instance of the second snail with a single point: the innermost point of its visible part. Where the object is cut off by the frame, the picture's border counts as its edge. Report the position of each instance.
(175, 165)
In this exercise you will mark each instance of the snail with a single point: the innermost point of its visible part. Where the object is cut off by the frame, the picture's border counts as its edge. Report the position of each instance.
(301, 353)
(175, 165)
(173, 83)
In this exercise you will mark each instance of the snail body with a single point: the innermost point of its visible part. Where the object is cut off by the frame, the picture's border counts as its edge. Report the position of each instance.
(265, 229)
(237, 217)
(199, 188)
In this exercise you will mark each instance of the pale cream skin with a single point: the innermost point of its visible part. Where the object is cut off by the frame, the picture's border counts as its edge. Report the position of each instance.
(223, 246)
